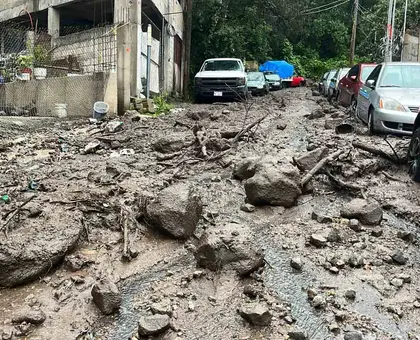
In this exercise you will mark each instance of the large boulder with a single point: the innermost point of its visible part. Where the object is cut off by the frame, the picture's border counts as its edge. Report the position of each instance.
(176, 211)
(106, 296)
(34, 245)
(367, 212)
(310, 159)
(225, 250)
(274, 185)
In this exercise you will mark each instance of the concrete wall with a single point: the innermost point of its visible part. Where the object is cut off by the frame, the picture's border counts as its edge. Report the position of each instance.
(411, 51)
(79, 93)
(155, 67)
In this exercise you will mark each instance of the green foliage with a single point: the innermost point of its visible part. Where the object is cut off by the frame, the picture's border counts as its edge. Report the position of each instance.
(162, 105)
(25, 61)
(41, 55)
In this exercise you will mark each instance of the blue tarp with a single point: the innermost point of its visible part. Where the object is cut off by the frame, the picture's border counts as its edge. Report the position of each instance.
(282, 68)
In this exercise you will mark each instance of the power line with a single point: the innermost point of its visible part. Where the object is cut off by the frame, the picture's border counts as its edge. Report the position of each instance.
(326, 9)
(322, 6)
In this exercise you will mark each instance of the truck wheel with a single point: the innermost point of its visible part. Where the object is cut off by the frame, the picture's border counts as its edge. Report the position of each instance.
(198, 99)
(414, 157)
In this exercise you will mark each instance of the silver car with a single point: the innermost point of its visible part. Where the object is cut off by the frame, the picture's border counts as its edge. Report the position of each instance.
(325, 83)
(390, 99)
(333, 88)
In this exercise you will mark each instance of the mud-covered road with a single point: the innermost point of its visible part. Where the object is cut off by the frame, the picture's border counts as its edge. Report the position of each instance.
(71, 204)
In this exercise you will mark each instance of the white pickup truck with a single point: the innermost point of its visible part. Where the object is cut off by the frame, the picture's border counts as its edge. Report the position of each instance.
(221, 78)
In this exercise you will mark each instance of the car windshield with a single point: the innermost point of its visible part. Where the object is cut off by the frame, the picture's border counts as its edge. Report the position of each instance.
(366, 71)
(343, 73)
(273, 77)
(222, 65)
(331, 75)
(405, 76)
(255, 76)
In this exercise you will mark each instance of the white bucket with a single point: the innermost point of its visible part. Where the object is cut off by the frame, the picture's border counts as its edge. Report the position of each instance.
(60, 110)
(100, 109)
(40, 73)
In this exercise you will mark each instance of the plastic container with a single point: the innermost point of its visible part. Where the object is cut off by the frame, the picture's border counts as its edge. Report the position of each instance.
(100, 109)
(60, 110)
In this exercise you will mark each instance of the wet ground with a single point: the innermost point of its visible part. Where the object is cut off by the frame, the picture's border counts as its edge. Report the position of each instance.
(204, 304)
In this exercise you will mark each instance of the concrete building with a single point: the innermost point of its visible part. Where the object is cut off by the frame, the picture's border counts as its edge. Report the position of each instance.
(74, 22)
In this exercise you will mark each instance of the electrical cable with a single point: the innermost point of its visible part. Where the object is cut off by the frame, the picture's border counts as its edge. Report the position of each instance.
(327, 9)
(319, 7)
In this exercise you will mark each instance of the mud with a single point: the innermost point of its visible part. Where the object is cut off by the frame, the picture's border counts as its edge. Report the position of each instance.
(106, 188)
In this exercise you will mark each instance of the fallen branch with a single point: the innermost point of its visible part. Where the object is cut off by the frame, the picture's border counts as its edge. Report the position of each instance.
(13, 214)
(389, 176)
(202, 139)
(376, 151)
(319, 166)
(126, 252)
(247, 128)
(168, 156)
(343, 185)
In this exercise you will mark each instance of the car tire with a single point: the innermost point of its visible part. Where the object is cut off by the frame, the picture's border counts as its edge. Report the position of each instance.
(371, 122)
(413, 157)
(198, 99)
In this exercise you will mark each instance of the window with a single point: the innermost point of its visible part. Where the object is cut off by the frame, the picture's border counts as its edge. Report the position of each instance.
(222, 65)
(375, 74)
(255, 76)
(273, 77)
(366, 71)
(331, 74)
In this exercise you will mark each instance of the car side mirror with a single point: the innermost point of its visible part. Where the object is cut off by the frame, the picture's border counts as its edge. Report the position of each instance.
(370, 83)
(353, 78)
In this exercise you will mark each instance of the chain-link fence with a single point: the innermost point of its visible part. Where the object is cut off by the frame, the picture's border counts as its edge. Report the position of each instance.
(39, 72)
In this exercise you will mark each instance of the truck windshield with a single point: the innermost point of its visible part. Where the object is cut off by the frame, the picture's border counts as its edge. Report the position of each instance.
(222, 65)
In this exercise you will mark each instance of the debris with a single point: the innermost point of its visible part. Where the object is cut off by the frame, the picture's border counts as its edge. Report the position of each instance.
(310, 159)
(315, 93)
(311, 293)
(377, 232)
(399, 257)
(355, 225)
(318, 241)
(176, 211)
(334, 235)
(350, 294)
(320, 217)
(246, 168)
(298, 335)
(281, 126)
(367, 212)
(406, 236)
(253, 291)
(405, 277)
(114, 126)
(256, 314)
(153, 325)
(396, 282)
(356, 261)
(248, 207)
(319, 301)
(316, 114)
(375, 150)
(106, 296)
(92, 147)
(161, 308)
(32, 315)
(169, 144)
(296, 263)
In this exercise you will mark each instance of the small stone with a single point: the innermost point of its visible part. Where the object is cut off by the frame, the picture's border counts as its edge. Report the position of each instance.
(399, 257)
(298, 335)
(212, 299)
(335, 328)
(197, 274)
(340, 316)
(92, 147)
(320, 217)
(281, 126)
(24, 329)
(405, 277)
(353, 336)
(340, 264)
(377, 232)
(318, 241)
(356, 261)
(30, 315)
(106, 296)
(334, 236)
(312, 293)
(191, 306)
(7, 334)
(397, 282)
(296, 263)
(161, 308)
(152, 325)
(350, 294)
(289, 319)
(256, 314)
(355, 225)
(225, 112)
(406, 236)
(248, 207)
(416, 304)
(252, 291)
(334, 270)
(319, 301)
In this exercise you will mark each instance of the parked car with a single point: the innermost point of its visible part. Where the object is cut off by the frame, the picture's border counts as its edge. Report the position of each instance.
(221, 78)
(333, 88)
(350, 85)
(257, 83)
(414, 151)
(274, 81)
(321, 82)
(325, 83)
(294, 81)
(389, 101)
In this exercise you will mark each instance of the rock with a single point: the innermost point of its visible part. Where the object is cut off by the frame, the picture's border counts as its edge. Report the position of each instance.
(356, 261)
(377, 232)
(319, 301)
(350, 294)
(215, 116)
(227, 251)
(405, 277)
(406, 236)
(355, 225)
(274, 185)
(33, 248)
(161, 308)
(334, 327)
(24, 329)
(247, 207)
(310, 159)
(7, 334)
(340, 316)
(169, 144)
(176, 211)
(399, 257)
(289, 319)
(281, 126)
(367, 212)
(152, 325)
(334, 236)
(416, 304)
(298, 335)
(296, 263)
(316, 93)
(106, 296)
(246, 168)
(32, 315)
(397, 282)
(191, 306)
(311, 293)
(320, 217)
(316, 114)
(330, 124)
(75, 263)
(256, 314)
(225, 112)
(353, 336)
(334, 270)
(318, 241)
(198, 115)
(114, 126)
(253, 291)
(92, 147)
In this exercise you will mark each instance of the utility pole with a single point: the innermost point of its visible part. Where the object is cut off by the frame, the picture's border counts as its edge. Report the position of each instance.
(391, 45)
(404, 28)
(353, 33)
(187, 46)
(388, 53)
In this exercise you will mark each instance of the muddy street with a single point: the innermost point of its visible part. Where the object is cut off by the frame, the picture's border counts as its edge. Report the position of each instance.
(208, 223)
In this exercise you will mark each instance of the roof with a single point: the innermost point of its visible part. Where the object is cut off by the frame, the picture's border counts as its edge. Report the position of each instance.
(224, 59)
(404, 63)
